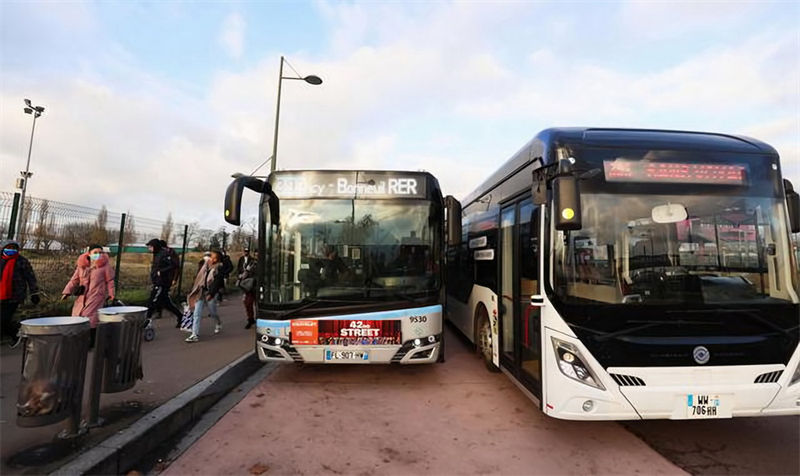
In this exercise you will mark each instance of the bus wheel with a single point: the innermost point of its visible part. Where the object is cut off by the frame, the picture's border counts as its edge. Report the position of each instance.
(484, 340)
(440, 359)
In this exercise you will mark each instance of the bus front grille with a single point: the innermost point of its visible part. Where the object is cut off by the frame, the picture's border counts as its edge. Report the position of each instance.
(627, 380)
(769, 377)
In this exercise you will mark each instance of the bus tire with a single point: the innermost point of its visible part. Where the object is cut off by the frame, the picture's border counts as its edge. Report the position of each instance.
(483, 339)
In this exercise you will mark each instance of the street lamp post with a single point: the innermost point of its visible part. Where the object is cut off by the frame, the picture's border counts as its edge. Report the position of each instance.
(311, 79)
(36, 111)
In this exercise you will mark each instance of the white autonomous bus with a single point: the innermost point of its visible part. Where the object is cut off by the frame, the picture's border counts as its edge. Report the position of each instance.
(624, 274)
(350, 266)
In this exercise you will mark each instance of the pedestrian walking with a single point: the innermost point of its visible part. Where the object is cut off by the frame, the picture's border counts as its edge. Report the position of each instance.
(92, 283)
(162, 272)
(246, 281)
(17, 279)
(206, 287)
(226, 269)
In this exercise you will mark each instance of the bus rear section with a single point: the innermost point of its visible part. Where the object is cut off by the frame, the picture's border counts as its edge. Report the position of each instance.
(403, 336)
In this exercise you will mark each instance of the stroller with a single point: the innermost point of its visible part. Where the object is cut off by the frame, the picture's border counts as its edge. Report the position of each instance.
(149, 330)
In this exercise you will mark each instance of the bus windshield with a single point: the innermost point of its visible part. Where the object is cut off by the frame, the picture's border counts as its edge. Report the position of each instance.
(720, 250)
(354, 249)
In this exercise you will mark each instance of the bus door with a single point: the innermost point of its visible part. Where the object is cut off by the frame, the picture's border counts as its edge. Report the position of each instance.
(529, 342)
(520, 323)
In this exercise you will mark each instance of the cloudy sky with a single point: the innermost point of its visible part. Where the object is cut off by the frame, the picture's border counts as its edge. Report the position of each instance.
(151, 106)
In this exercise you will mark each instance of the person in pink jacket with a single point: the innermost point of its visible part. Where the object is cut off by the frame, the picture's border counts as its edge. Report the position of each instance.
(92, 283)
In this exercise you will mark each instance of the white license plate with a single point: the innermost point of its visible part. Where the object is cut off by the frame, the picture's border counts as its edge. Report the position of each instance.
(699, 405)
(346, 355)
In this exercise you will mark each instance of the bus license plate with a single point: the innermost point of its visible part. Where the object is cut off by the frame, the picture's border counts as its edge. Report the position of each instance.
(703, 406)
(346, 355)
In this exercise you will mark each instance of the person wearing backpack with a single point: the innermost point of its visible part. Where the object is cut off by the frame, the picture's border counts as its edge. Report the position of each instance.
(162, 271)
(226, 268)
(247, 283)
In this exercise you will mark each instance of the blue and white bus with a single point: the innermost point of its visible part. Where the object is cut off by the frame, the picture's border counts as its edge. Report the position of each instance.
(623, 274)
(350, 266)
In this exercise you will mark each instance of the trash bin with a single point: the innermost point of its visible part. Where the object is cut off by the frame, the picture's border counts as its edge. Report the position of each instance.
(121, 329)
(53, 369)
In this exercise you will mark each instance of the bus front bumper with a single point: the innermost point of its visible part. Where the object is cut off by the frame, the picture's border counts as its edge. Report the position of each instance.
(677, 393)
(408, 353)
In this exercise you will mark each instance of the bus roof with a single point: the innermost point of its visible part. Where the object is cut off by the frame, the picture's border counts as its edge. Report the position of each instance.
(544, 141)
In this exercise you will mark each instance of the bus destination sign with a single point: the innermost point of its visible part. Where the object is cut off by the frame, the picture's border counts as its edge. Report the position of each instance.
(348, 185)
(673, 172)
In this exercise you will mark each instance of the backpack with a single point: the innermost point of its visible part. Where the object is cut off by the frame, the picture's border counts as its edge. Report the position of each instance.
(227, 266)
(176, 260)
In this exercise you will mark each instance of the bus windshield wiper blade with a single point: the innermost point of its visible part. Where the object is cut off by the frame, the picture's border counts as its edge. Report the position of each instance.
(306, 303)
(602, 336)
(752, 316)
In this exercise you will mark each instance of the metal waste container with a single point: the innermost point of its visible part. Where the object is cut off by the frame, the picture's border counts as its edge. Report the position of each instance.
(53, 369)
(119, 340)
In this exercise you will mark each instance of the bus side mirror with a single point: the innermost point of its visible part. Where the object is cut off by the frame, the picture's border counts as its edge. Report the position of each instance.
(233, 201)
(792, 206)
(566, 203)
(233, 198)
(453, 208)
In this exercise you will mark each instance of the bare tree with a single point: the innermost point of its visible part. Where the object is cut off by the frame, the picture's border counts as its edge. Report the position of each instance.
(74, 236)
(44, 233)
(24, 227)
(129, 233)
(166, 228)
(100, 232)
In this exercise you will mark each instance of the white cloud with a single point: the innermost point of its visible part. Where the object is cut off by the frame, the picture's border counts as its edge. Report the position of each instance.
(431, 86)
(231, 37)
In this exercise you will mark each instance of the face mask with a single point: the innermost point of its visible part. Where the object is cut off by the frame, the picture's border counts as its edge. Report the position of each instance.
(9, 252)
(94, 256)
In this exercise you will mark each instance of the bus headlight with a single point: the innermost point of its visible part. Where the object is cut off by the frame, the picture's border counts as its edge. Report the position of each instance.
(571, 363)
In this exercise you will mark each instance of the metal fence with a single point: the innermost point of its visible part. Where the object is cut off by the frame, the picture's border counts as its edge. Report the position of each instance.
(53, 234)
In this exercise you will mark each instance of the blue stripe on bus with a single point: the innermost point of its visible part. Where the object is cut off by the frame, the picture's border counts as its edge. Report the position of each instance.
(369, 316)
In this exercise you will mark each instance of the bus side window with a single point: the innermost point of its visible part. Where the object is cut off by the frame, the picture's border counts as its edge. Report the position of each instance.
(529, 243)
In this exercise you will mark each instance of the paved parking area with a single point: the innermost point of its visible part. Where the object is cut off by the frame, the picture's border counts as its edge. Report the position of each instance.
(452, 418)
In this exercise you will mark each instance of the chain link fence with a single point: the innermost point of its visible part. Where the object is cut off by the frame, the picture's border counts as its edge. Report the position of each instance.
(53, 234)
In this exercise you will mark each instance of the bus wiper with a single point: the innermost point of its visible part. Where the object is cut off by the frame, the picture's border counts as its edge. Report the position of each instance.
(752, 316)
(603, 336)
(391, 292)
(307, 303)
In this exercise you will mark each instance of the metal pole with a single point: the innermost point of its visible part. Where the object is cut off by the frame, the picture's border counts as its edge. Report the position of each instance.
(120, 249)
(277, 116)
(13, 221)
(26, 176)
(183, 258)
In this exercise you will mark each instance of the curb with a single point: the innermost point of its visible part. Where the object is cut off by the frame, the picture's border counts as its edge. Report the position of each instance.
(122, 451)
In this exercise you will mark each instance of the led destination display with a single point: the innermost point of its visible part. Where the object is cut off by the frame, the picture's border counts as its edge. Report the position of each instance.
(327, 184)
(673, 172)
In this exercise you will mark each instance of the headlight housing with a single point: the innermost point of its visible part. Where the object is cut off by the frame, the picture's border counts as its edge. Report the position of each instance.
(571, 363)
(796, 376)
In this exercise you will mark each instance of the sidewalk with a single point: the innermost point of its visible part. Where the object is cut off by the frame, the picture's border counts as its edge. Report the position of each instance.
(170, 366)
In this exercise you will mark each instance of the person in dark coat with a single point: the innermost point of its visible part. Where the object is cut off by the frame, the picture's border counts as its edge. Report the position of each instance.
(17, 279)
(246, 269)
(162, 272)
